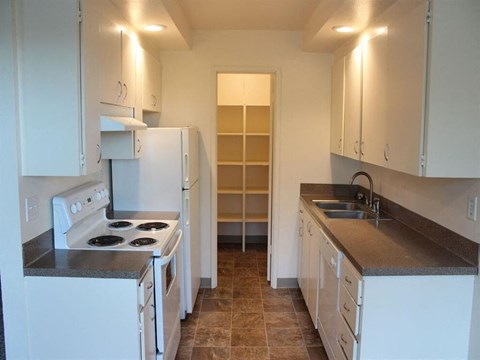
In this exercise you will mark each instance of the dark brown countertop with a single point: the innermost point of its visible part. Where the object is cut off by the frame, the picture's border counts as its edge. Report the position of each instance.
(91, 263)
(386, 247)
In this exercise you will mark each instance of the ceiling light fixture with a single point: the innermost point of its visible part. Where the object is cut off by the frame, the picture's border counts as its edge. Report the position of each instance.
(343, 29)
(155, 27)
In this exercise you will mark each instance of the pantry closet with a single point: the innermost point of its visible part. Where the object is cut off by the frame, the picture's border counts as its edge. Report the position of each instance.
(244, 158)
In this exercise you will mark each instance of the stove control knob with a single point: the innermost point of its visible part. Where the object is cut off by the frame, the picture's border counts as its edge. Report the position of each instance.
(78, 204)
(104, 193)
(98, 196)
(73, 209)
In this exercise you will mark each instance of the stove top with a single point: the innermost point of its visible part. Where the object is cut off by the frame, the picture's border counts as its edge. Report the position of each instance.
(80, 223)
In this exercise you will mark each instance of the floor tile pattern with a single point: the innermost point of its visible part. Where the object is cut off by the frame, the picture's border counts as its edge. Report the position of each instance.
(244, 318)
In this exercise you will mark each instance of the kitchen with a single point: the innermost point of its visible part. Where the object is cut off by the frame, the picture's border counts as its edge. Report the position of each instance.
(301, 138)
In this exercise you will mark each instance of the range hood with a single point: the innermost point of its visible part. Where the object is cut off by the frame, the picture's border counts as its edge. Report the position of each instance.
(120, 123)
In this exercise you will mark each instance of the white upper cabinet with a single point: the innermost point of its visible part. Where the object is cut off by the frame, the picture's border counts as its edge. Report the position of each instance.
(243, 89)
(117, 60)
(420, 110)
(353, 103)
(336, 130)
(434, 90)
(152, 83)
(59, 82)
(374, 99)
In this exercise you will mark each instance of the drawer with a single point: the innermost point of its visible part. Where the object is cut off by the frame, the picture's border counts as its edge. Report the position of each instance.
(338, 352)
(352, 281)
(346, 339)
(146, 286)
(350, 310)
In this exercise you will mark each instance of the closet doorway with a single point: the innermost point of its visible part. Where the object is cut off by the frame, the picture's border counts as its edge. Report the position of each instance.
(244, 135)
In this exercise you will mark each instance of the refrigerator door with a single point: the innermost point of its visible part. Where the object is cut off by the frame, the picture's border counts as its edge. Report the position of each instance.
(190, 160)
(191, 231)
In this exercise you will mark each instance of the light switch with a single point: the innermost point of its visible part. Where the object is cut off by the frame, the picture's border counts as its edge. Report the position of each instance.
(31, 208)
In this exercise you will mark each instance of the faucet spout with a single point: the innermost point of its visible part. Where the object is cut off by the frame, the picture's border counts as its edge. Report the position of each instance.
(370, 181)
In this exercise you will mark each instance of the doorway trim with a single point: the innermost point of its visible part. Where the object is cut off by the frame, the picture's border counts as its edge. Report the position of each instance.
(275, 194)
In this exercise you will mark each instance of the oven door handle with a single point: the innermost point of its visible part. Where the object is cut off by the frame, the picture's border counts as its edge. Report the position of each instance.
(166, 259)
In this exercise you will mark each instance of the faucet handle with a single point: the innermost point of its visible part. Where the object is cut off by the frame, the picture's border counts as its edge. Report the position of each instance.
(376, 205)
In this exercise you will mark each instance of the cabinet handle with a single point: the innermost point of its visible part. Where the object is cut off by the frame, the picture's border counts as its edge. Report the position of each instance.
(343, 339)
(355, 147)
(348, 281)
(386, 151)
(339, 144)
(150, 285)
(139, 148)
(362, 148)
(99, 150)
(119, 89)
(345, 307)
(154, 100)
(126, 91)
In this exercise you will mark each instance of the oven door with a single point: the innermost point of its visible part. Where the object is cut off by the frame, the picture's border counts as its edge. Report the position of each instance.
(167, 298)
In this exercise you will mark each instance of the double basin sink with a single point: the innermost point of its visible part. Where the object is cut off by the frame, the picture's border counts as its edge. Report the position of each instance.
(337, 209)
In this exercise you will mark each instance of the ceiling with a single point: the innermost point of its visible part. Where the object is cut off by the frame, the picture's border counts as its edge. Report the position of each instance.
(315, 18)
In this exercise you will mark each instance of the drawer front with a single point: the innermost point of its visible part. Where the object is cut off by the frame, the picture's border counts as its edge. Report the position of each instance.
(346, 339)
(352, 281)
(338, 351)
(350, 310)
(145, 289)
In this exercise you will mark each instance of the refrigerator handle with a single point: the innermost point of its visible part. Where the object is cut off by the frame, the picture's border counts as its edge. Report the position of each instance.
(187, 211)
(186, 167)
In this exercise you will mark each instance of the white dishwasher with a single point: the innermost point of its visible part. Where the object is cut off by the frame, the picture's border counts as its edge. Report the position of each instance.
(329, 295)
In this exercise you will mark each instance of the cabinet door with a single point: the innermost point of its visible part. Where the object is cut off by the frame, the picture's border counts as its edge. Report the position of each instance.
(152, 83)
(353, 105)
(374, 100)
(111, 50)
(336, 130)
(301, 229)
(128, 70)
(314, 273)
(147, 335)
(305, 257)
(405, 89)
(230, 89)
(257, 89)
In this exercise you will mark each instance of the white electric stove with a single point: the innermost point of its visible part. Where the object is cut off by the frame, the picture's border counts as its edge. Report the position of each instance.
(80, 223)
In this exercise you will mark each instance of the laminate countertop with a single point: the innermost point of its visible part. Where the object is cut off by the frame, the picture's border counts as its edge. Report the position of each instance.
(91, 263)
(388, 247)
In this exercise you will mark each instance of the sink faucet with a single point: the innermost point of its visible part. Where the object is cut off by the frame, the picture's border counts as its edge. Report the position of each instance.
(370, 197)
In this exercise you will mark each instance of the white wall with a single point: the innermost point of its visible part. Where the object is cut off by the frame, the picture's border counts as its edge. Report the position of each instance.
(303, 112)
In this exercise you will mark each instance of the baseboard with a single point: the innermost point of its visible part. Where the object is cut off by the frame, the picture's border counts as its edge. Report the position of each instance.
(236, 239)
(206, 283)
(290, 283)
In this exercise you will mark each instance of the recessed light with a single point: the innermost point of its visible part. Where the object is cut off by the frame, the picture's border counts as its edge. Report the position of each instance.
(155, 27)
(343, 29)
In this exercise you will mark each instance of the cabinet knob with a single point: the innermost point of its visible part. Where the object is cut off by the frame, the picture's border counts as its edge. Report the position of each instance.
(345, 307)
(348, 281)
(343, 339)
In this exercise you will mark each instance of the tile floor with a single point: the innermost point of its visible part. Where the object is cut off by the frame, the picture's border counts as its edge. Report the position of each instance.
(244, 318)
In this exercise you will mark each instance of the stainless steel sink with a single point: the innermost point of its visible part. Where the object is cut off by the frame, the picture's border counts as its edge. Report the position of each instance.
(338, 205)
(349, 214)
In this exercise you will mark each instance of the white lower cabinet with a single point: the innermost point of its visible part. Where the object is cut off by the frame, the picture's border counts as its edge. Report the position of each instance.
(403, 317)
(91, 318)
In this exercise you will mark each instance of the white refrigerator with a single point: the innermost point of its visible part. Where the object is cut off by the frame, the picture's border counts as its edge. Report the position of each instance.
(166, 178)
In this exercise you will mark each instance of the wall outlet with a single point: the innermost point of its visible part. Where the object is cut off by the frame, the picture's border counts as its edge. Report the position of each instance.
(472, 208)
(31, 208)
